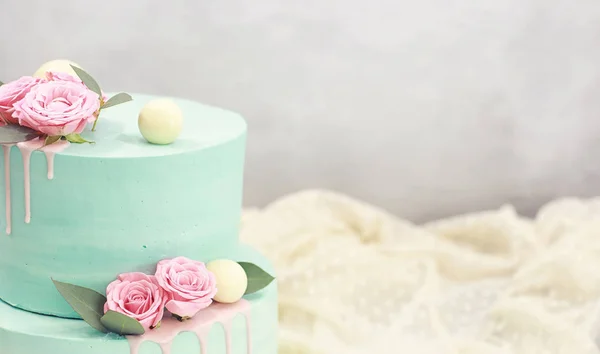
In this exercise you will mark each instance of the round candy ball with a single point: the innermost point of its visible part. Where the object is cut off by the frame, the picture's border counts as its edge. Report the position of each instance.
(58, 65)
(160, 121)
(231, 280)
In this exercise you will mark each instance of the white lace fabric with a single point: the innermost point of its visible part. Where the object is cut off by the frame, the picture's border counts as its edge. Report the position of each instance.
(355, 279)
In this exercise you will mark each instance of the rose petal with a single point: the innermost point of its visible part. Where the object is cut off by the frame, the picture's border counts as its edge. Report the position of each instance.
(186, 308)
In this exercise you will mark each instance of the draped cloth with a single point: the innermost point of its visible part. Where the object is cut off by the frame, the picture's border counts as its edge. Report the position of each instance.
(355, 279)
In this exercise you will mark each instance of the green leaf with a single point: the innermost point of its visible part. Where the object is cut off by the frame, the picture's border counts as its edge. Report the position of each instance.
(257, 278)
(88, 80)
(1, 83)
(117, 99)
(77, 139)
(88, 303)
(52, 139)
(13, 133)
(118, 323)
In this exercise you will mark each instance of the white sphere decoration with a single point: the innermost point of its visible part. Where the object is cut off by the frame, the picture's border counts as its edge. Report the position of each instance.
(58, 65)
(231, 280)
(160, 121)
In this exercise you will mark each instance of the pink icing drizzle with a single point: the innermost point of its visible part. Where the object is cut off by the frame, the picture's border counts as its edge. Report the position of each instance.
(6, 149)
(200, 325)
(52, 150)
(227, 328)
(26, 153)
(27, 149)
(50, 162)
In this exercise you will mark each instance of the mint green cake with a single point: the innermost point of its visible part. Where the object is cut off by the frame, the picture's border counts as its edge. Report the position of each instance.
(84, 214)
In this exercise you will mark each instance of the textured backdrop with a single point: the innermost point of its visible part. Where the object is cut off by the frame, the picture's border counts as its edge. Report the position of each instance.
(426, 107)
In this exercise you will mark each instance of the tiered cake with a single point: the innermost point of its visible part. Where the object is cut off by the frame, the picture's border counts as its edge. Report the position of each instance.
(84, 220)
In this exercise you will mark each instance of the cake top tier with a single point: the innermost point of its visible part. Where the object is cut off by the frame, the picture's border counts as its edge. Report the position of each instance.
(92, 193)
(129, 204)
(118, 135)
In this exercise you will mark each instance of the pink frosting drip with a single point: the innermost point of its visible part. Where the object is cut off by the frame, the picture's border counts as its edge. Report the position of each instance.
(52, 150)
(6, 149)
(200, 325)
(26, 152)
(27, 149)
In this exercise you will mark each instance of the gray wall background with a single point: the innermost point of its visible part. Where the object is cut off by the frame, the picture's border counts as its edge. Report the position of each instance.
(427, 107)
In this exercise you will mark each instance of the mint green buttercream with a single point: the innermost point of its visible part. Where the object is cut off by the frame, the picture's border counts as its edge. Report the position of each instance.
(120, 205)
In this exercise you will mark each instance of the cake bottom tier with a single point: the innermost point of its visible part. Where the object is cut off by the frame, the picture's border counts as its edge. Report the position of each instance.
(249, 326)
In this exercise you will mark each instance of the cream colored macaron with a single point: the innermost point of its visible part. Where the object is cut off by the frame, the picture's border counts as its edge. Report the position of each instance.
(58, 65)
(160, 121)
(231, 280)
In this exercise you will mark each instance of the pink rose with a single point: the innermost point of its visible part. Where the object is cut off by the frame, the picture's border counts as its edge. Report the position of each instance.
(58, 76)
(57, 108)
(138, 296)
(11, 93)
(190, 284)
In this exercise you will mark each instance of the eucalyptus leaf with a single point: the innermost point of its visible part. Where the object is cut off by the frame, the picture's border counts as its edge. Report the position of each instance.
(257, 277)
(77, 139)
(52, 139)
(13, 133)
(88, 303)
(119, 98)
(118, 323)
(88, 80)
